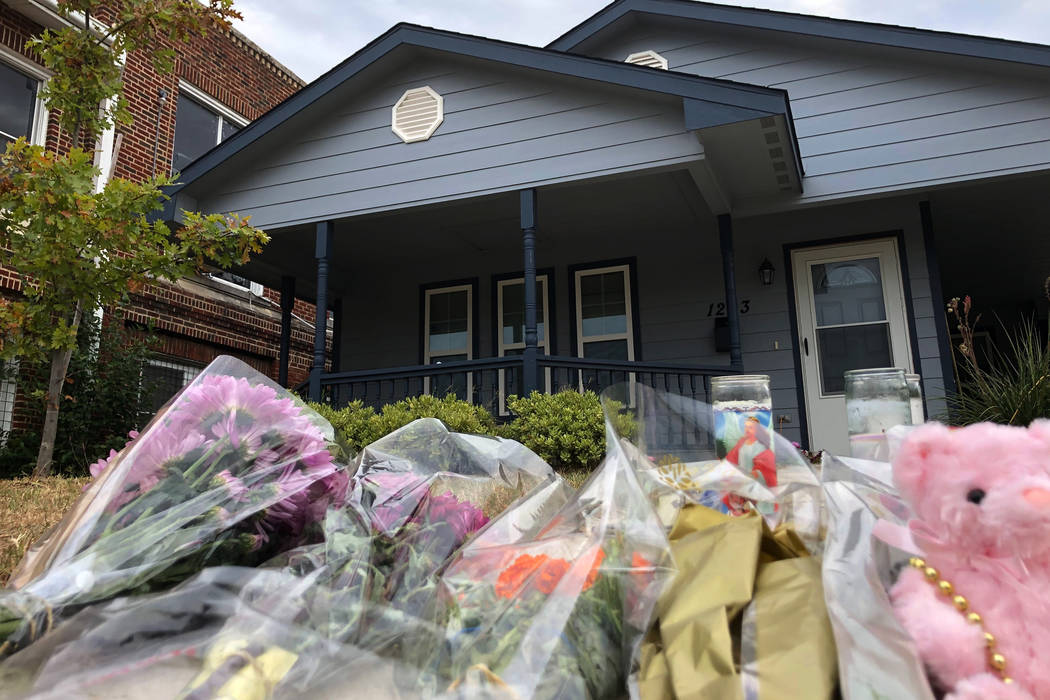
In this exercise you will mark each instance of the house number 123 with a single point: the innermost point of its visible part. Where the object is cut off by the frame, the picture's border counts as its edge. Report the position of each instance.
(718, 308)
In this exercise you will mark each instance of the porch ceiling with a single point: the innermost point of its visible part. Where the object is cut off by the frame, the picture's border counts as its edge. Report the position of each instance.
(572, 216)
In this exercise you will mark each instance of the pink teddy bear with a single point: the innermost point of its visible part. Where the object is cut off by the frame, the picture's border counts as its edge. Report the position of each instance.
(981, 497)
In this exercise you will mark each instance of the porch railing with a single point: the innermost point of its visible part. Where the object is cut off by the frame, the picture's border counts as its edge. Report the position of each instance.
(489, 381)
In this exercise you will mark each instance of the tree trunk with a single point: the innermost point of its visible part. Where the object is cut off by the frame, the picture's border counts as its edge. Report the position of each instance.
(55, 390)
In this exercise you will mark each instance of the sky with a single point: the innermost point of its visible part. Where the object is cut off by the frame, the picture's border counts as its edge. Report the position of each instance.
(311, 36)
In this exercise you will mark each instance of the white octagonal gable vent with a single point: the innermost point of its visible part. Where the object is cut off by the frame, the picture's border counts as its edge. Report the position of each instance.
(647, 58)
(418, 114)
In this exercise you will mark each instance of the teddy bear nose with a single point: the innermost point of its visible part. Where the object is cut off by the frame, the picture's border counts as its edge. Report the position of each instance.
(1039, 498)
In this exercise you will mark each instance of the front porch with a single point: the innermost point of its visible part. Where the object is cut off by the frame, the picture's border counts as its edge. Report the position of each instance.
(577, 287)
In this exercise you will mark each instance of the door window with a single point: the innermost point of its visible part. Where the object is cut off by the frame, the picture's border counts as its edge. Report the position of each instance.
(851, 327)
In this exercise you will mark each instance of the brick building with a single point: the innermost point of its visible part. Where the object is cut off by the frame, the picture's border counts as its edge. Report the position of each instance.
(220, 83)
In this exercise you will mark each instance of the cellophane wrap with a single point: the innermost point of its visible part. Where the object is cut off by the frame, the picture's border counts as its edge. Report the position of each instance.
(674, 454)
(745, 617)
(364, 610)
(232, 470)
(877, 658)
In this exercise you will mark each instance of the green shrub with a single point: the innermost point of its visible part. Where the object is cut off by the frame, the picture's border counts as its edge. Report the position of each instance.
(565, 429)
(357, 425)
(1011, 386)
(104, 399)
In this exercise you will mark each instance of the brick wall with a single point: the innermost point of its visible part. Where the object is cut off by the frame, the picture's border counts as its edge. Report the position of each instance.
(193, 322)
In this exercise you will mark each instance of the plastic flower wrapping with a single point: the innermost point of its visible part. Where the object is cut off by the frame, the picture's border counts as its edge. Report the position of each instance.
(226, 553)
(233, 470)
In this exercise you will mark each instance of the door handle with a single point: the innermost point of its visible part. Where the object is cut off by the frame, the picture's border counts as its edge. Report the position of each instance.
(805, 345)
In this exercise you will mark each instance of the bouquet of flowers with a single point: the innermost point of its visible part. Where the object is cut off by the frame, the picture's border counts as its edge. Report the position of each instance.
(561, 611)
(367, 590)
(232, 471)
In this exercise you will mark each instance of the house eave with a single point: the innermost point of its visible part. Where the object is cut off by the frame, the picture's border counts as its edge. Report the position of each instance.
(809, 25)
(730, 101)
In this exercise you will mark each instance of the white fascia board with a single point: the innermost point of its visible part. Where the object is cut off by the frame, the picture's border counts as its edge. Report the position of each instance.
(46, 14)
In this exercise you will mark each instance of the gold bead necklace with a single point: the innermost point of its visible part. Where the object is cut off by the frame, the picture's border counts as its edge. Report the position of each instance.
(996, 661)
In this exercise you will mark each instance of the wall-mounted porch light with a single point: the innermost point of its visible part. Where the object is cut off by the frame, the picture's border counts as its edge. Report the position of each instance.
(765, 272)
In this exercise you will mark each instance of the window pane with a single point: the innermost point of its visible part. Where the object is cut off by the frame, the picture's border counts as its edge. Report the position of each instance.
(513, 324)
(229, 129)
(603, 304)
(848, 292)
(164, 379)
(196, 131)
(852, 347)
(17, 104)
(448, 321)
(606, 350)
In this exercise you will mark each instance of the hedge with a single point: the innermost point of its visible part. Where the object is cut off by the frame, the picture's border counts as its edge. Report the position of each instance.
(565, 429)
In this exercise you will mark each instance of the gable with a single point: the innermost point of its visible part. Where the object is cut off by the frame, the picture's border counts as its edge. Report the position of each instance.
(502, 130)
(868, 119)
(513, 117)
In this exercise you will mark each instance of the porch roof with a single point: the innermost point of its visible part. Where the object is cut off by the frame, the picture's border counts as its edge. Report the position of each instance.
(709, 106)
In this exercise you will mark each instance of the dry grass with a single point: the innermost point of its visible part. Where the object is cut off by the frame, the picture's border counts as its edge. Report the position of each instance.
(28, 507)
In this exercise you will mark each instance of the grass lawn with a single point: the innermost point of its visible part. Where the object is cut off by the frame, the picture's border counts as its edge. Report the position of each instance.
(28, 507)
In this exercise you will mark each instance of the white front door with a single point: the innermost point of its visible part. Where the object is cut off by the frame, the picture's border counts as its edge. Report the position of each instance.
(849, 300)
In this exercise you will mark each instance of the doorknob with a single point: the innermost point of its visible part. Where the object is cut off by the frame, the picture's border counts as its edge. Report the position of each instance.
(805, 345)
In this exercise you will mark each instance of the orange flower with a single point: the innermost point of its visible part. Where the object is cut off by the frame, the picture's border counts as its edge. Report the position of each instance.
(550, 574)
(514, 576)
(641, 570)
(592, 576)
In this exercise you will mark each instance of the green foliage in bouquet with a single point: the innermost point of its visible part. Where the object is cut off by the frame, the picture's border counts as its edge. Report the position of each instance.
(1012, 385)
(565, 429)
(357, 425)
(104, 399)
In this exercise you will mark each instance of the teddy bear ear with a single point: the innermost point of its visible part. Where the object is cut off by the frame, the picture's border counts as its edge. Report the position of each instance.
(1040, 429)
(917, 459)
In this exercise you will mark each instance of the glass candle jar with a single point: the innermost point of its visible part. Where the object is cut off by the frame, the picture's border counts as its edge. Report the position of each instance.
(915, 398)
(739, 399)
(876, 400)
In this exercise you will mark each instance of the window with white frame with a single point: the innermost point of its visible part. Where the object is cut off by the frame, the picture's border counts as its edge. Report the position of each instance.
(165, 378)
(8, 391)
(448, 325)
(510, 310)
(22, 112)
(201, 123)
(235, 280)
(604, 321)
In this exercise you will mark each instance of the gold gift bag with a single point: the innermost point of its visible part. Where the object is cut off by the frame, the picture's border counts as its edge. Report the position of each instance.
(744, 617)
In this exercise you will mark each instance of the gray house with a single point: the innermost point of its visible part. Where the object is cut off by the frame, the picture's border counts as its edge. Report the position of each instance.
(672, 190)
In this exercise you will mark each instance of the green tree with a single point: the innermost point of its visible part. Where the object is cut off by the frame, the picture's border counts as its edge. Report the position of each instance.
(74, 248)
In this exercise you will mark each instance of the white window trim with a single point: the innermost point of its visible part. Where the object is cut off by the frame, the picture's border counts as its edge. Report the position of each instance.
(428, 357)
(628, 333)
(541, 282)
(212, 104)
(8, 396)
(543, 285)
(38, 132)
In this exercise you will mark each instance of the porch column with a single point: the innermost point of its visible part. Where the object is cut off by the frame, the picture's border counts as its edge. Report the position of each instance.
(337, 334)
(287, 304)
(530, 378)
(324, 245)
(725, 236)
